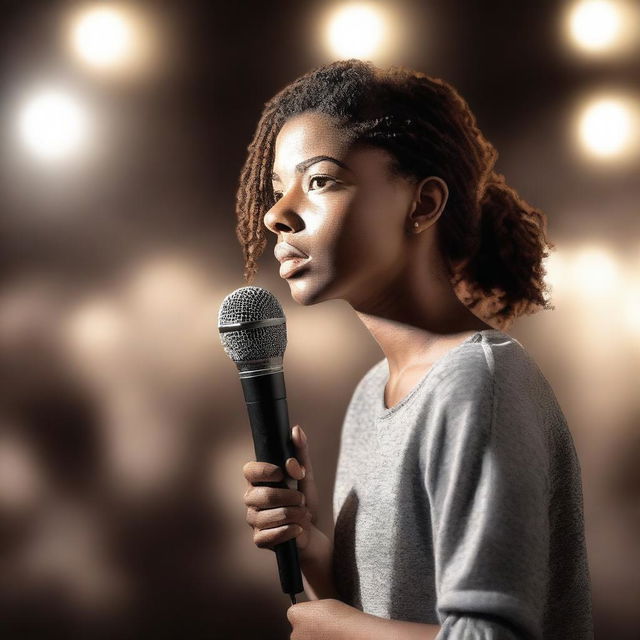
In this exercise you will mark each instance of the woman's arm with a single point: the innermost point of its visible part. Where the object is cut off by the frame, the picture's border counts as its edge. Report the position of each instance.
(316, 570)
(487, 476)
(383, 629)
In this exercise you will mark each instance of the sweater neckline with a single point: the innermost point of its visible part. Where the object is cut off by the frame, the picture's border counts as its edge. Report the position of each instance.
(384, 412)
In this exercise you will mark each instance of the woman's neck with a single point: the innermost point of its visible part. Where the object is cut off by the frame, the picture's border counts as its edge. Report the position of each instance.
(416, 322)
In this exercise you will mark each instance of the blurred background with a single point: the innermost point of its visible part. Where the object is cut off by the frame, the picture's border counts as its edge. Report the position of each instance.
(123, 429)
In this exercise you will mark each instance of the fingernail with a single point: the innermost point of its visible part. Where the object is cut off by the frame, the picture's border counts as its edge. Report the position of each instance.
(302, 435)
(302, 471)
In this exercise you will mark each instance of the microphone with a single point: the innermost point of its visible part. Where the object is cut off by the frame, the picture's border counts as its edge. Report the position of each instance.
(253, 333)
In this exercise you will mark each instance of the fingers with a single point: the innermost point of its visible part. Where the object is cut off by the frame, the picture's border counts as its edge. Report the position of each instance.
(307, 484)
(262, 472)
(278, 517)
(302, 450)
(278, 514)
(270, 537)
(273, 526)
(270, 497)
(295, 469)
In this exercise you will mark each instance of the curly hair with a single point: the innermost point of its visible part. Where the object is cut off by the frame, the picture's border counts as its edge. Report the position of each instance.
(493, 243)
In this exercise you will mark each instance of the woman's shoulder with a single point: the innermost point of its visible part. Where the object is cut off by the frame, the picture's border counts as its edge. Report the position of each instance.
(496, 363)
(510, 363)
(483, 355)
(491, 362)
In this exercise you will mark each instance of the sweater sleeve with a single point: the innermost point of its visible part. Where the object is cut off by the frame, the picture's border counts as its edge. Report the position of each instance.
(487, 478)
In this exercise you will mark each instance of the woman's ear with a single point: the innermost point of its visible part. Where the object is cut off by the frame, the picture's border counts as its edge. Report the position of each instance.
(430, 199)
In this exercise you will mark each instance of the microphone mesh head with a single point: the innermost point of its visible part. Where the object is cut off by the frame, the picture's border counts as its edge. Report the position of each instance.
(251, 304)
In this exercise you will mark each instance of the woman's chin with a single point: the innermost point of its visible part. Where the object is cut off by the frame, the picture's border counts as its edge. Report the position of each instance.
(304, 290)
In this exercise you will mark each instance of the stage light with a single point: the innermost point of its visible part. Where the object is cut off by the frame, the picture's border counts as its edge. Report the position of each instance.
(53, 124)
(608, 127)
(102, 37)
(595, 24)
(356, 31)
(116, 38)
(603, 27)
(595, 273)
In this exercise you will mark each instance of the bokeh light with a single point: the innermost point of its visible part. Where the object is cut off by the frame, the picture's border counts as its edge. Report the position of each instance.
(356, 31)
(602, 27)
(94, 336)
(595, 24)
(595, 273)
(115, 39)
(607, 127)
(102, 36)
(53, 124)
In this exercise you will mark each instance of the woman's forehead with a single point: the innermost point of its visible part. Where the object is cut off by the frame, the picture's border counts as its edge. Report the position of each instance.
(310, 129)
(309, 135)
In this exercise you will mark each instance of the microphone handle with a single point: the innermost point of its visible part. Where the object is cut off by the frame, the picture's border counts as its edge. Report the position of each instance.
(266, 399)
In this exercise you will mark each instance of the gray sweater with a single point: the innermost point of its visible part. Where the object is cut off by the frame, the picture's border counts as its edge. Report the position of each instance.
(462, 504)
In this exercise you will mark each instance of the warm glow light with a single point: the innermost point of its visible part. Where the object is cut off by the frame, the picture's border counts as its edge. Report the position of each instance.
(595, 272)
(96, 327)
(608, 127)
(102, 37)
(356, 31)
(95, 337)
(595, 24)
(170, 305)
(53, 125)
(603, 27)
(601, 283)
(116, 38)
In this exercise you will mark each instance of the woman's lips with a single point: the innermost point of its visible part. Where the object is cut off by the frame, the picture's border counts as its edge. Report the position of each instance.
(291, 265)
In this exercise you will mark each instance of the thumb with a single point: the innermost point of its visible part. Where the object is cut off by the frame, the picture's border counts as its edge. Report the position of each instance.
(301, 468)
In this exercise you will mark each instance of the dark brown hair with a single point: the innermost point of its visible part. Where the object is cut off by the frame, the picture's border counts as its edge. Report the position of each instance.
(493, 243)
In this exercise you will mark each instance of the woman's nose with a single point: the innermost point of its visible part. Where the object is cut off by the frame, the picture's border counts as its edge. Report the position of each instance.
(282, 218)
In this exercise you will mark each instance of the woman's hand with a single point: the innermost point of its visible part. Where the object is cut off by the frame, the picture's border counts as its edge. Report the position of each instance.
(329, 620)
(277, 515)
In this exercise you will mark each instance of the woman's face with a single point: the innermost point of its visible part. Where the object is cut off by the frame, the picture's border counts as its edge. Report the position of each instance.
(346, 212)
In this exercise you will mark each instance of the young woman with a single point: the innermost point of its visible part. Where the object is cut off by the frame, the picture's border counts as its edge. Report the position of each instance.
(458, 500)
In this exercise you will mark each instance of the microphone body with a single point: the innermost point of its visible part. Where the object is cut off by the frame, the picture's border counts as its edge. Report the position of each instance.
(266, 400)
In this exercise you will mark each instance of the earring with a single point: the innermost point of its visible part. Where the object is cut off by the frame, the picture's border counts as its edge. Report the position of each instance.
(415, 224)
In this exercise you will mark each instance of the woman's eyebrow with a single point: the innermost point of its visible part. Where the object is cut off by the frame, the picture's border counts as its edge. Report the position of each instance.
(301, 167)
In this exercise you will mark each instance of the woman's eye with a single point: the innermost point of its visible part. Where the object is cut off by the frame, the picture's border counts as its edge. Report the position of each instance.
(322, 179)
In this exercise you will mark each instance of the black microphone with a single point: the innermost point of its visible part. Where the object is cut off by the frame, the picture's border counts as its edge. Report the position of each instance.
(253, 332)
